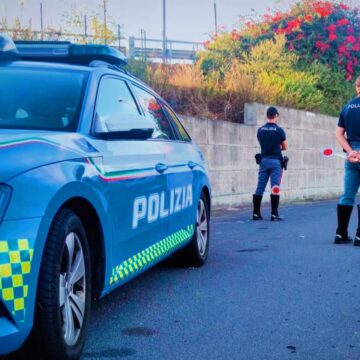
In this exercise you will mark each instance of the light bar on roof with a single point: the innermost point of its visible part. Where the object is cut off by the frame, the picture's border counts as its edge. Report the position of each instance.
(58, 51)
(41, 49)
(99, 52)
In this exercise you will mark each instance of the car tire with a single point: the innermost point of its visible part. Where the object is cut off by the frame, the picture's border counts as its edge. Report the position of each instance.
(64, 290)
(196, 252)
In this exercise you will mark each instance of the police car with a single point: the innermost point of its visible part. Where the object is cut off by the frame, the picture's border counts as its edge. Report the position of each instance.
(99, 181)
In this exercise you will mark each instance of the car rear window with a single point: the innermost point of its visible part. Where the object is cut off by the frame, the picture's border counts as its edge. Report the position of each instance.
(184, 136)
(41, 99)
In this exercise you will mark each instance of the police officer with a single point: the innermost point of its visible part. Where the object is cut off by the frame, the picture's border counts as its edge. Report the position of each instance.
(272, 139)
(348, 136)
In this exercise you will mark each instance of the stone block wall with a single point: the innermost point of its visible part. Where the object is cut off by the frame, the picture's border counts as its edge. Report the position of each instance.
(230, 149)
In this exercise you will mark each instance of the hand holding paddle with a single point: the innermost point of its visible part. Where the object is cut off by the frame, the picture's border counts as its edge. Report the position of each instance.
(353, 157)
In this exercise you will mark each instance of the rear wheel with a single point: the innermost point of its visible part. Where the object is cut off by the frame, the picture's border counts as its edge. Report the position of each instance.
(64, 289)
(196, 252)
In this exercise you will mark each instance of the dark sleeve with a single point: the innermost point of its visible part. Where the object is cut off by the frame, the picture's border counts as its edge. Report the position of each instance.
(258, 134)
(341, 122)
(282, 135)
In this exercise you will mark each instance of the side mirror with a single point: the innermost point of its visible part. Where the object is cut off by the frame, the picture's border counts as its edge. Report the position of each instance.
(123, 127)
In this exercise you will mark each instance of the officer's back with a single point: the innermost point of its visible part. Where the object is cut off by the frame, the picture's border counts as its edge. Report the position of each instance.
(270, 137)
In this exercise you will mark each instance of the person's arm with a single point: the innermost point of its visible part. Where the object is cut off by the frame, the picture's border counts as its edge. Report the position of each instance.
(340, 133)
(340, 136)
(284, 145)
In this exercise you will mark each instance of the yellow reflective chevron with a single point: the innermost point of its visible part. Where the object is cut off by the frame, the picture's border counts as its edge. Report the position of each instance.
(152, 254)
(15, 267)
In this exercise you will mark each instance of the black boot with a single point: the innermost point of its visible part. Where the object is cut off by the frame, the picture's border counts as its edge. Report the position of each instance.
(343, 215)
(275, 200)
(357, 236)
(257, 204)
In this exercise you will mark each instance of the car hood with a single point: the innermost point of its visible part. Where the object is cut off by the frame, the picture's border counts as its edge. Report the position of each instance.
(22, 151)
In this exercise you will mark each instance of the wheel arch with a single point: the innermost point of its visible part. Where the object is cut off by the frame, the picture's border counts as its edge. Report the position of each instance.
(207, 194)
(88, 215)
(90, 206)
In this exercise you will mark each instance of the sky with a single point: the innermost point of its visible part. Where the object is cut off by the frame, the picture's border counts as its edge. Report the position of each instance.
(190, 20)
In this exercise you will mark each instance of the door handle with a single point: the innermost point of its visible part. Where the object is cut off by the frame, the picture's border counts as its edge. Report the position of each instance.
(160, 168)
(191, 165)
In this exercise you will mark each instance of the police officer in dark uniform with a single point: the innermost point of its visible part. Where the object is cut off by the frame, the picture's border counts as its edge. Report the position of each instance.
(348, 136)
(272, 139)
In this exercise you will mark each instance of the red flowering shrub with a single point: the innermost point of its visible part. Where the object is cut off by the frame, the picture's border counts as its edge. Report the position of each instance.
(322, 8)
(326, 31)
(343, 22)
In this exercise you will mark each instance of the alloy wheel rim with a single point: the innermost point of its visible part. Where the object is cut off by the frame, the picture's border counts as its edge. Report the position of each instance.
(202, 227)
(72, 289)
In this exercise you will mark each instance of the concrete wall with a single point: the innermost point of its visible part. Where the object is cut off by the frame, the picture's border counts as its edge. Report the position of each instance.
(230, 149)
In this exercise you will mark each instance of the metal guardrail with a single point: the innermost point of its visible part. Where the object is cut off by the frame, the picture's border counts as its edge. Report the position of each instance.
(173, 49)
(157, 53)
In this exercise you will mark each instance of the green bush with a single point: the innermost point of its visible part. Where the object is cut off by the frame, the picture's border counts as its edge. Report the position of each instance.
(269, 74)
(335, 90)
(305, 58)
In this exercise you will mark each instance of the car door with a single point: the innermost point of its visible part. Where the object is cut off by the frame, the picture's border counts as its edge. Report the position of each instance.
(131, 181)
(185, 161)
(163, 135)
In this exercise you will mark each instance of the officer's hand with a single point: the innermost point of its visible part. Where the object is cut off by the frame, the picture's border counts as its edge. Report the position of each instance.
(354, 157)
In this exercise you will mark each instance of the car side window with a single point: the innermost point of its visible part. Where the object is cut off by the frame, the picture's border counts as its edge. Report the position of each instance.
(114, 100)
(155, 113)
(184, 136)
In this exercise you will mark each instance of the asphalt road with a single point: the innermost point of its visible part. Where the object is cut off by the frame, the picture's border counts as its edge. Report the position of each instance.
(269, 291)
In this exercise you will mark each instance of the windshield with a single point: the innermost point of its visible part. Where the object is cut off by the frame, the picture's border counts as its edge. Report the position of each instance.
(41, 99)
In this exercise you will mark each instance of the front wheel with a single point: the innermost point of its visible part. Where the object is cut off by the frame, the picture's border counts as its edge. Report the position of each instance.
(196, 252)
(64, 289)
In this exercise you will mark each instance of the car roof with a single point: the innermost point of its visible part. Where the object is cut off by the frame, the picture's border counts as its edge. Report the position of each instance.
(72, 67)
(47, 65)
